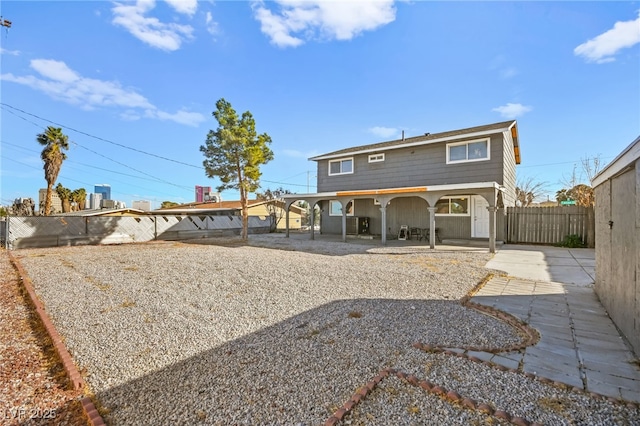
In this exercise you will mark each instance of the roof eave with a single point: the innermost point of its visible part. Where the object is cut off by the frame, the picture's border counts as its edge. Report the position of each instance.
(627, 157)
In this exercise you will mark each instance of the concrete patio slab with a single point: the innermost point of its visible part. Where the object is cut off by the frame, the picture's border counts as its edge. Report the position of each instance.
(551, 289)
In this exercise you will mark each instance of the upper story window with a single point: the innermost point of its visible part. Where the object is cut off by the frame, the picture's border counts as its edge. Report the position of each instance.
(376, 158)
(461, 152)
(453, 206)
(341, 167)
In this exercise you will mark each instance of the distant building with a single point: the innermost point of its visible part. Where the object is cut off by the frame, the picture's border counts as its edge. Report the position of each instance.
(56, 202)
(95, 200)
(112, 204)
(200, 191)
(104, 190)
(205, 195)
(143, 205)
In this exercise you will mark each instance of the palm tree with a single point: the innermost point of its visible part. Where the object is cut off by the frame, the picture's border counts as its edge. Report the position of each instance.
(54, 142)
(79, 196)
(65, 197)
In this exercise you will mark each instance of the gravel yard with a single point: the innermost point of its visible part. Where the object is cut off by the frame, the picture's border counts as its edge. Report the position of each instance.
(284, 331)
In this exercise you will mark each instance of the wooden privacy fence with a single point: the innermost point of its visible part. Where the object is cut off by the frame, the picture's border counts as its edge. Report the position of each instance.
(550, 225)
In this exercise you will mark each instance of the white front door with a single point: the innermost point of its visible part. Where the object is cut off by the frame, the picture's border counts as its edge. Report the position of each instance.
(480, 218)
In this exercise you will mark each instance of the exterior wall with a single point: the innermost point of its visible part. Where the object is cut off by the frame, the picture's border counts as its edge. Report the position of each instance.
(415, 166)
(295, 218)
(410, 211)
(509, 170)
(617, 218)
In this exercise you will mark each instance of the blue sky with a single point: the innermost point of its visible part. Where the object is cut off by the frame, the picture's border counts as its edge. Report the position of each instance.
(129, 79)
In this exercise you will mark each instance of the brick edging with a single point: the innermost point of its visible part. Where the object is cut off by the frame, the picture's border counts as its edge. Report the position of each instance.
(448, 395)
(531, 337)
(70, 368)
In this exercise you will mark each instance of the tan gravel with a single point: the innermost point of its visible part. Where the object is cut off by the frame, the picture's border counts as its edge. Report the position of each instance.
(224, 333)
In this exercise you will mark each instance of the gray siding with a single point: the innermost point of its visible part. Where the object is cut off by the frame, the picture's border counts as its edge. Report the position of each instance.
(617, 250)
(410, 211)
(417, 166)
(509, 169)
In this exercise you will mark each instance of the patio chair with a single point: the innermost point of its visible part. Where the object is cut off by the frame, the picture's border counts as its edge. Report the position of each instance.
(403, 234)
(426, 234)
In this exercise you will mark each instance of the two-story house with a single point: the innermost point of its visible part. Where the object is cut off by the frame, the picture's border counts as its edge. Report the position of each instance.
(448, 184)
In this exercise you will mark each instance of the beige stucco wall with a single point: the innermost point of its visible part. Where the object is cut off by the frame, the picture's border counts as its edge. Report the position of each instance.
(617, 216)
(295, 219)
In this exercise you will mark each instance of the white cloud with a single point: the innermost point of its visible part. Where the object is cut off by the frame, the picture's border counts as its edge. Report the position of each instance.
(4, 51)
(55, 70)
(512, 110)
(59, 81)
(212, 26)
(187, 7)
(165, 36)
(299, 20)
(182, 116)
(602, 48)
(383, 132)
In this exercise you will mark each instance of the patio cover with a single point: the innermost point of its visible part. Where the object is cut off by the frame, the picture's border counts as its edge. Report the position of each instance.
(431, 194)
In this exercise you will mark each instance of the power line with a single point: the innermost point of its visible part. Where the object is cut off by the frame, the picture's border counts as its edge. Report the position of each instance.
(561, 163)
(94, 152)
(2, 104)
(83, 164)
(64, 177)
(284, 183)
(100, 138)
(132, 168)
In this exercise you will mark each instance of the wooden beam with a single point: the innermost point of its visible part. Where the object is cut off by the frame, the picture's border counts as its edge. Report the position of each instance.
(382, 191)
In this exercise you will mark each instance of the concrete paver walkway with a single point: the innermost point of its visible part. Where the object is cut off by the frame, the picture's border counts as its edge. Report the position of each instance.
(579, 345)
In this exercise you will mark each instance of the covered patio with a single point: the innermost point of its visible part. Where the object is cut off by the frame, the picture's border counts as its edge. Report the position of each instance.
(490, 191)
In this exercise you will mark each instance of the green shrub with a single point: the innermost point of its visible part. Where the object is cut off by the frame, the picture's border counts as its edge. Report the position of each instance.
(572, 241)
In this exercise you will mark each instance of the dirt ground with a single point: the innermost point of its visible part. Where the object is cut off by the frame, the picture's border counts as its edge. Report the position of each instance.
(34, 389)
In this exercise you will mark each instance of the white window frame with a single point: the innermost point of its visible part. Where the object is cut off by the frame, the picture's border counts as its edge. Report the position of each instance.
(376, 158)
(340, 215)
(453, 197)
(340, 160)
(449, 145)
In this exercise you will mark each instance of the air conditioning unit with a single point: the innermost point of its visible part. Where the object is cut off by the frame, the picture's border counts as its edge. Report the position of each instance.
(357, 225)
(108, 204)
(212, 197)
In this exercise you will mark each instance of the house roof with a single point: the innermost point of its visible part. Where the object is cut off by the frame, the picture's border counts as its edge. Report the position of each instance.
(429, 138)
(221, 205)
(628, 156)
(102, 212)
